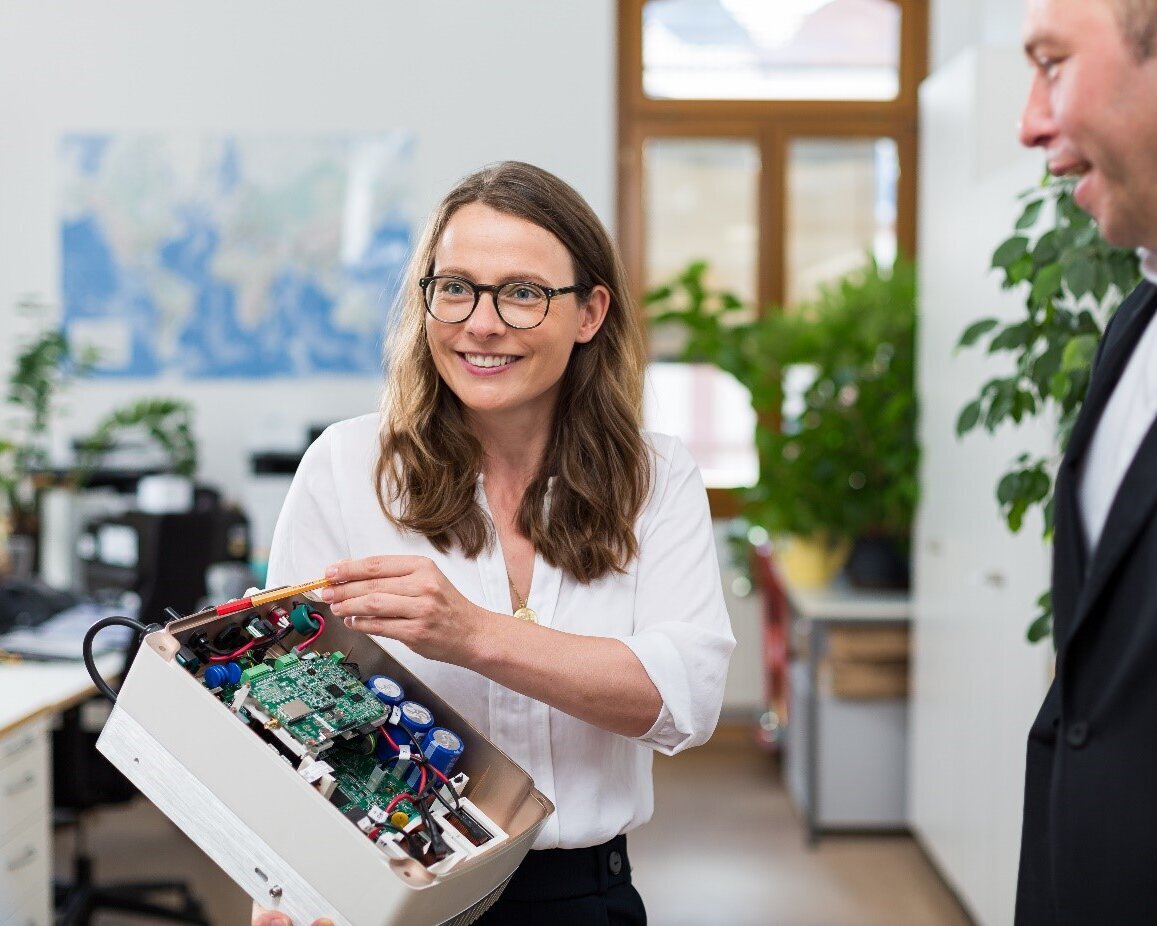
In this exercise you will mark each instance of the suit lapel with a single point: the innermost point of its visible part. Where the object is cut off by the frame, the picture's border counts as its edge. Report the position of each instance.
(1136, 497)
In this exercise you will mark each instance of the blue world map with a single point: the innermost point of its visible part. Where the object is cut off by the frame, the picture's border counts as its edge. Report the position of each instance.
(233, 257)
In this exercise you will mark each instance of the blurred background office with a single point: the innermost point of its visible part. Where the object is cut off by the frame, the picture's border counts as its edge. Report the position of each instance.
(204, 209)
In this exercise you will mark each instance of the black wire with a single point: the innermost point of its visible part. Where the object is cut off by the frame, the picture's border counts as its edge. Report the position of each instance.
(86, 648)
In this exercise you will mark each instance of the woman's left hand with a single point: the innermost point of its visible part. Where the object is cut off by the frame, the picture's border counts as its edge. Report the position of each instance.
(408, 599)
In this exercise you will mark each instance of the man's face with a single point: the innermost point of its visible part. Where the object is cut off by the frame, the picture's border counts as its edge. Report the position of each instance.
(1093, 109)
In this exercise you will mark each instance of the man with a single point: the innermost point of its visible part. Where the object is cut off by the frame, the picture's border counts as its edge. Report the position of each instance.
(1089, 844)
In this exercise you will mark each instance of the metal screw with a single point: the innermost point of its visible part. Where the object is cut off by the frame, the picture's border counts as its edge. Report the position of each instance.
(275, 891)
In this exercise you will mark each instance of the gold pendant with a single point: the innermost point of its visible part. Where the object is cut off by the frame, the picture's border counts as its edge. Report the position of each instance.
(526, 614)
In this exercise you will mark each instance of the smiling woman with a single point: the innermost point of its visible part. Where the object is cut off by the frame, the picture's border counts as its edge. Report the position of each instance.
(507, 477)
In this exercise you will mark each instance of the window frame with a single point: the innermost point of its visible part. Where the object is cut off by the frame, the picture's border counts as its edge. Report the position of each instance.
(771, 125)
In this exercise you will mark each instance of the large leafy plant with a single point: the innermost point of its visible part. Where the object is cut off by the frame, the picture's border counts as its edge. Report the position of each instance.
(1073, 280)
(846, 464)
(41, 372)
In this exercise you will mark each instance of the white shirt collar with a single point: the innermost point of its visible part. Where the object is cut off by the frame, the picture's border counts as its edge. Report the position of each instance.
(1148, 264)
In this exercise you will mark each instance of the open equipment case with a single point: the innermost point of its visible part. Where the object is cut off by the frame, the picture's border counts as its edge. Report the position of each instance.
(316, 771)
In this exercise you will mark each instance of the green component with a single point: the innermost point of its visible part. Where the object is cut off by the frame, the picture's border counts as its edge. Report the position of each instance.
(316, 701)
(354, 773)
(303, 622)
(337, 657)
(288, 659)
(255, 672)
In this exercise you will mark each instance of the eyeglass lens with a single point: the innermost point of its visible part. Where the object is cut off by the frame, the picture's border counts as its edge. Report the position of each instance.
(521, 305)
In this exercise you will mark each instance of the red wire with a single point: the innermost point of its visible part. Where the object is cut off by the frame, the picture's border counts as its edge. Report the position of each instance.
(404, 796)
(246, 648)
(320, 627)
(422, 778)
(439, 773)
(389, 739)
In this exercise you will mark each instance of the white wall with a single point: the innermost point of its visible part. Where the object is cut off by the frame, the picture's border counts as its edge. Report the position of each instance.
(521, 79)
(977, 682)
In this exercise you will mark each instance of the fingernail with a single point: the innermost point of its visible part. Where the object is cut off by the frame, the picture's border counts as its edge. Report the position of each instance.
(331, 572)
(327, 594)
(349, 621)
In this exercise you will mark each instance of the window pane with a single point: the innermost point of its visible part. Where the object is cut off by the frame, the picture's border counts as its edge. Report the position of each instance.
(841, 207)
(701, 199)
(711, 413)
(771, 49)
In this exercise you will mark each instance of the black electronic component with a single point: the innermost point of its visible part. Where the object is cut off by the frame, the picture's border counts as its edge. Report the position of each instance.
(339, 798)
(355, 815)
(336, 690)
(189, 659)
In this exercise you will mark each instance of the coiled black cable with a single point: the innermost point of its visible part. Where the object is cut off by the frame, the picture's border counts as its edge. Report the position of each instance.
(86, 648)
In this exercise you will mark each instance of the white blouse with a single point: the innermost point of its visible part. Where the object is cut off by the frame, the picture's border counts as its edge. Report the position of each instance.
(668, 608)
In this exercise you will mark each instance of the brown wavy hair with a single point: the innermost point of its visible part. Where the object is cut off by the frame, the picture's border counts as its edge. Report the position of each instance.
(429, 461)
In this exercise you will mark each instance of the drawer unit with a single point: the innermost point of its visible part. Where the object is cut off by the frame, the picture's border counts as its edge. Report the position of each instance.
(24, 865)
(24, 778)
(25, 839)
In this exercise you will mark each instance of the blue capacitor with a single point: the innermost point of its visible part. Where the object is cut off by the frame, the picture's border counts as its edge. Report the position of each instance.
(219, 674)
(441, 748)
(385, 689)
(417, 718)
(414, 717)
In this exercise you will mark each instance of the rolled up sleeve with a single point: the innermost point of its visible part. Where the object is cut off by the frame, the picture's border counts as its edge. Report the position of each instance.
(682, 633)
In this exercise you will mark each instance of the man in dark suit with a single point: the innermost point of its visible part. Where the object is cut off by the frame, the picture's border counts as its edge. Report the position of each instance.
(1089, 841)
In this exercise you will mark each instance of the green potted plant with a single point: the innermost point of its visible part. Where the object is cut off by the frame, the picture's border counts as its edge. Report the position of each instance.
(1073, 281)
(41, 371)
(838, 463)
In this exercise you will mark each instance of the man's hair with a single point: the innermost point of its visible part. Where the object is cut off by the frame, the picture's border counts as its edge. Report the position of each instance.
(597, 466)
(1138, 22)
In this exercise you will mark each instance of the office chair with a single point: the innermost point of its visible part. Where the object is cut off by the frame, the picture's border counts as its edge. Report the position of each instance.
(83, 779)
(776, 646)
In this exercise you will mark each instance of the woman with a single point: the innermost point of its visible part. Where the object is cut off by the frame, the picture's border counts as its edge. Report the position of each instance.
(507, 472)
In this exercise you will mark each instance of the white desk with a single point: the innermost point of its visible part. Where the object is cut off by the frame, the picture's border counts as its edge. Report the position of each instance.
(835, 606)
(30, 694)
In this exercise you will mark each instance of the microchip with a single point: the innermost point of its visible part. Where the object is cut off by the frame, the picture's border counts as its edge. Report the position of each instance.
(336, 690)
(356, 698)
(292, 711)
(339, 798)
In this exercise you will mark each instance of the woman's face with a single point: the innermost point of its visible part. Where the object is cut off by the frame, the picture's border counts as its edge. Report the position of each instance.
(501, 373)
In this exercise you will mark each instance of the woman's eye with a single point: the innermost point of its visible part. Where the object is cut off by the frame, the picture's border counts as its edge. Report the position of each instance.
(524, 293)
(453, 288)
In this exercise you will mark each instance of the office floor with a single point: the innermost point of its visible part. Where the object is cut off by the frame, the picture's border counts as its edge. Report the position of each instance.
(725, 848)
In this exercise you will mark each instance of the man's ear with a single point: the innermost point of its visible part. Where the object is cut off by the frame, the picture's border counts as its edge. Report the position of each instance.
(593, 312)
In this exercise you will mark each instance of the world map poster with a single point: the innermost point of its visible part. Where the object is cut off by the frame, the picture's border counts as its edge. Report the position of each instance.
(233, 257)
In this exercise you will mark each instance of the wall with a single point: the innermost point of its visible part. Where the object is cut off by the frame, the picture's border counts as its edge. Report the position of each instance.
(476, 82)
(977, 683)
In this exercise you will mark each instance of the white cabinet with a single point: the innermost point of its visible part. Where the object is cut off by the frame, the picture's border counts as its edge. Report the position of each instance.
(25, 847)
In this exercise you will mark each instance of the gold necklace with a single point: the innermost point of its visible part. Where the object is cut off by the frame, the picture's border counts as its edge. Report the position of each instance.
(522, 612)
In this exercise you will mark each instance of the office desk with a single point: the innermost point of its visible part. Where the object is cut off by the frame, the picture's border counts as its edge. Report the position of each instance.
(31, 693)
(822, 610)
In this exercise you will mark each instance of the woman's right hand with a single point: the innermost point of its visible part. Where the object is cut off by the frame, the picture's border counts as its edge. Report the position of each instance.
(263, 917)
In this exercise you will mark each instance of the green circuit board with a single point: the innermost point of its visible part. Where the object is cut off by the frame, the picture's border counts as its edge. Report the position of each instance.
(355, 776)
(314, 697)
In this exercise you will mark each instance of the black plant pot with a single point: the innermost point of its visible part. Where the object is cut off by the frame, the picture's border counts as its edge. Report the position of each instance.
(878, 562)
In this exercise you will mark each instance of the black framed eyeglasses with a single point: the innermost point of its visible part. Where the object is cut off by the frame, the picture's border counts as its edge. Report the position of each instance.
(520, 304)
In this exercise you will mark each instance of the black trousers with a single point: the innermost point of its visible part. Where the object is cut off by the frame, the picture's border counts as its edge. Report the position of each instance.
(571, 887)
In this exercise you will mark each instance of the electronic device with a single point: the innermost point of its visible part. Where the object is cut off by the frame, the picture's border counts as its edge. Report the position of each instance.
(163, 558)
(315, 770)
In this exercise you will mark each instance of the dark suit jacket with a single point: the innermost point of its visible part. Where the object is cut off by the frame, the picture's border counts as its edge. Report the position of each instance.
(1089, 841)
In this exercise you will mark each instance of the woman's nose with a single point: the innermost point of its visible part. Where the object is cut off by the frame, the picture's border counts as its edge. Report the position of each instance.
(485, 321)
